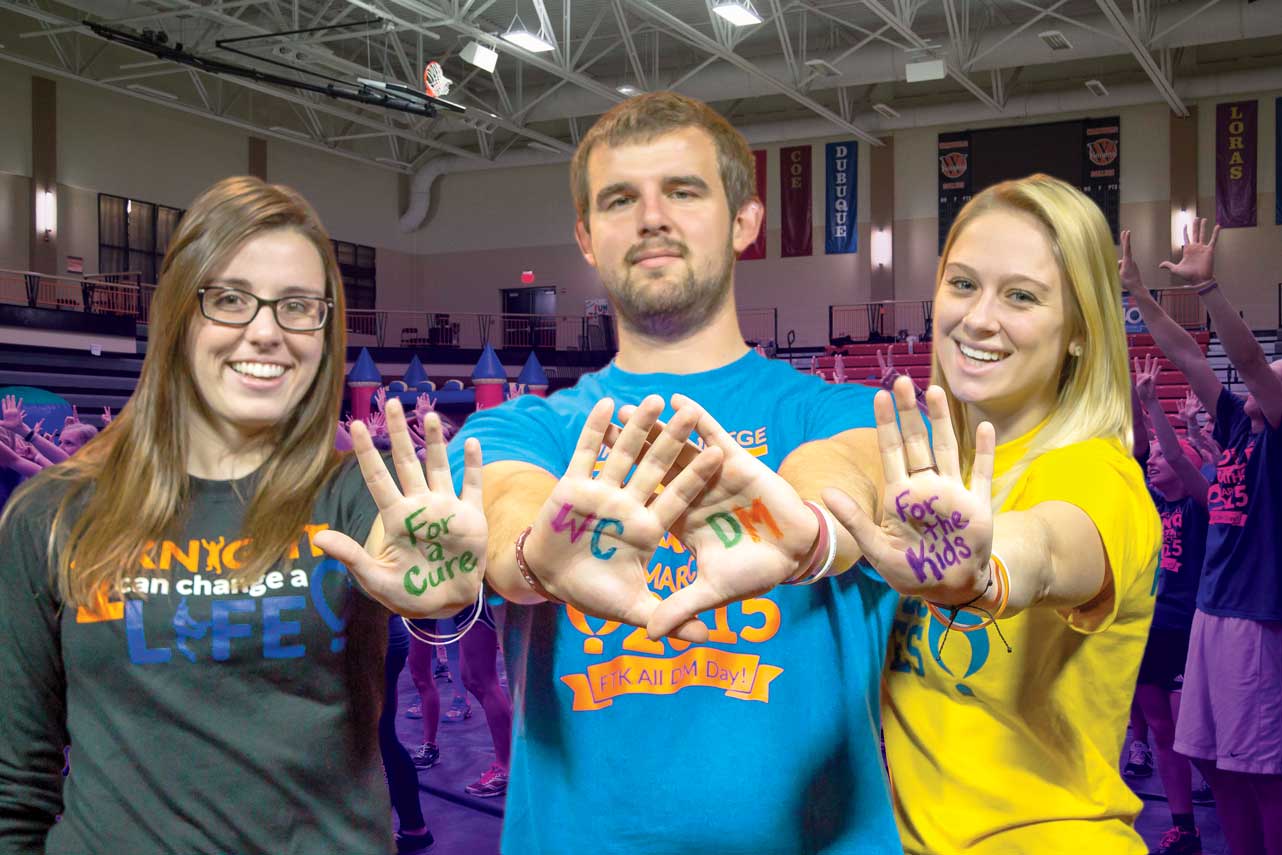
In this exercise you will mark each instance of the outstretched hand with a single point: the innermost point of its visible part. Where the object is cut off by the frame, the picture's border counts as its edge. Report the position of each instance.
(430, 560)
(594, 537)
(936, 534)
(749, 531)
(1146, 377)
(12, 415)
(1197, 263)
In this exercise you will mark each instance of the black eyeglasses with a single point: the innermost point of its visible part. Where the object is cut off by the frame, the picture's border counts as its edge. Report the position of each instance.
(237, 308)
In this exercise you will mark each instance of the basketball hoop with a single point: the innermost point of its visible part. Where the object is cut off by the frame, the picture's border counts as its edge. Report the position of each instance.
(435, 83)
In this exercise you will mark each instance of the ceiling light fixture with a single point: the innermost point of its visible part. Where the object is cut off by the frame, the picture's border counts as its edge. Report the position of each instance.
(520, 36)
(886, 111)
(629, 90)
(738, 12)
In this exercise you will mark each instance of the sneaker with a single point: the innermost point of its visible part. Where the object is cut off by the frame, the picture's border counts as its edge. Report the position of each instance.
(442, 672)
(493, 782)
(426, 755)
(459, 709)
(410, 844)
(1179, 841)
(1202, 794)
(1139, 761)
(414, 710)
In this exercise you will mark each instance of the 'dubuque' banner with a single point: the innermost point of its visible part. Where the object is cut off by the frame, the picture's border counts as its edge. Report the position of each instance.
(841, 198)
(1236, 143)
(794, 201)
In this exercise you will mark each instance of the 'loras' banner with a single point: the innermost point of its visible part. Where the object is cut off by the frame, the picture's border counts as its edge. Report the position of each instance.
(840, 235)
(757, 249)
(1236, 135)
(794, 201)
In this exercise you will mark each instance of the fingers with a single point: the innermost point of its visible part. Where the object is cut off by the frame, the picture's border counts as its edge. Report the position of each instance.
(472, 465)
(1201, 230)
(623, 453)
(661, 455)
(911, 427)
(981, 471)
(1126, 244)
(1186, 234)
(708, 427)
(408, 470)
(686, 487)
(435, 455)
(377, 480)
(941, 430)
(888, 439)
(1215, 236)
(591, 439)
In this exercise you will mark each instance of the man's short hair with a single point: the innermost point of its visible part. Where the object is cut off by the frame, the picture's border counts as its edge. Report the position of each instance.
(645, 117)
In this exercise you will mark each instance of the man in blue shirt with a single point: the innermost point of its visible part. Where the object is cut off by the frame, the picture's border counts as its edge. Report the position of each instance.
(754, 729)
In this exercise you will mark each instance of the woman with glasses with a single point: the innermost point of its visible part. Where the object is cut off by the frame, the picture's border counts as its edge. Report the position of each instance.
(178, 605)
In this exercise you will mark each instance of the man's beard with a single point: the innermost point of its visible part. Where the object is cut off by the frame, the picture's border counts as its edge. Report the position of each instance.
(669, 311)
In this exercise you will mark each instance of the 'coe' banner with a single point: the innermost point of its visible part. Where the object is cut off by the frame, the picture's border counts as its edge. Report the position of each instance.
(794, 201)
(840, 235)
(757, 249)
(1235, 150)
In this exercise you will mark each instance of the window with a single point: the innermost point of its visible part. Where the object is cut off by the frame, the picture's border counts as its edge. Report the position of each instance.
(133, 235)
(356, 263)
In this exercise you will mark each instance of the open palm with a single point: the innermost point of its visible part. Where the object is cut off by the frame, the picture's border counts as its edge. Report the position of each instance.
(749, 530)
(594, 536)
(936, 534)
(430, 560)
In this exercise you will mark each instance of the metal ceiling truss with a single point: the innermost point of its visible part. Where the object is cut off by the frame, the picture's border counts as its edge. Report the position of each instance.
(548, 100)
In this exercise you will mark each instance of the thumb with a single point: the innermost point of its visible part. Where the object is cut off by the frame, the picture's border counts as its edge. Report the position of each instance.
(342, 548)
(1166, 265)
(868, 536)
(677, 615)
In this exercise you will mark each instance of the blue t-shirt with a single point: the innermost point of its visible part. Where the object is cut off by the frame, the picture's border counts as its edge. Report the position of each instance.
(1242, 576)
(763, 741)
(1180, 568)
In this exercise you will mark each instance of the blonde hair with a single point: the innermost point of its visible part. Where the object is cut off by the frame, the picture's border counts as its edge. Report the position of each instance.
(1094, 390)
(645, 117)
(129, 487)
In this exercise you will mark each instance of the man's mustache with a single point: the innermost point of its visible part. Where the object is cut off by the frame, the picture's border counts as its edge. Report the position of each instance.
(635, 253)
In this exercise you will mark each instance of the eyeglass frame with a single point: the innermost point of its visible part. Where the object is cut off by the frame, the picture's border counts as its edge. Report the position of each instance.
(259, 303)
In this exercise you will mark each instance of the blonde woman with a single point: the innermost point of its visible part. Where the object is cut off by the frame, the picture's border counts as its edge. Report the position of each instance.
(1024, 505)
(175, 607)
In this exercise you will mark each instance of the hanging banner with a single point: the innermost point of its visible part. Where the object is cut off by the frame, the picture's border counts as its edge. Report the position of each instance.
(841, 198)
(1236, 137)
(954, 179)
(757, 249)
(1277, 161)
(795, 200)
(1102, 168)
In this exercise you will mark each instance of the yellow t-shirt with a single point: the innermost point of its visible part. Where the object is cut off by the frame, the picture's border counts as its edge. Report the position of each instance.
(1011, 753)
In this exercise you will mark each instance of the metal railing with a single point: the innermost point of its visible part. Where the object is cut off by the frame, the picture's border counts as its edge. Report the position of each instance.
(1184, 307)
(880, 321)
(124, 295)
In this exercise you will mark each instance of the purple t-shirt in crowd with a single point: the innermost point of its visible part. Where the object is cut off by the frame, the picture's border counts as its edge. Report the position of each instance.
(1242, 576)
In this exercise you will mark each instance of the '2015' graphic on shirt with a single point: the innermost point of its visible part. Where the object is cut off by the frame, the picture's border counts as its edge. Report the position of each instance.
(645, 666)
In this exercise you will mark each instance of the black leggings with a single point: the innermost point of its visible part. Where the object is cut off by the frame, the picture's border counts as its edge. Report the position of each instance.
(402, 777)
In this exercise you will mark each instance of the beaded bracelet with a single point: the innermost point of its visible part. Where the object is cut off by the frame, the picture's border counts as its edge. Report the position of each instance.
(527, 573)
(1207, 287)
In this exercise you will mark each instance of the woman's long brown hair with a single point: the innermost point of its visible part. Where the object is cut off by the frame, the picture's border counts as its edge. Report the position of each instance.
(129, 486)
